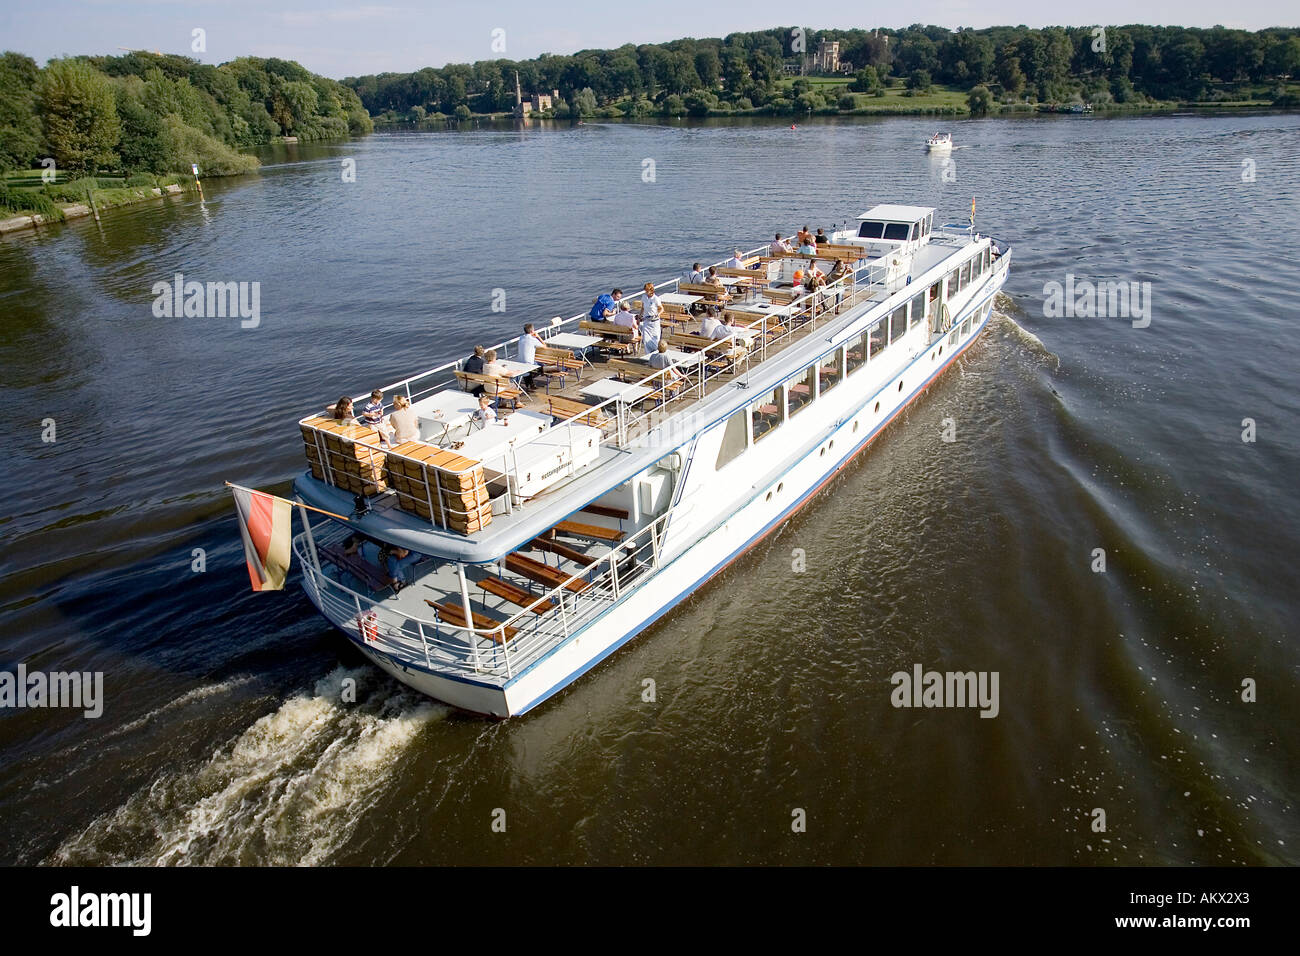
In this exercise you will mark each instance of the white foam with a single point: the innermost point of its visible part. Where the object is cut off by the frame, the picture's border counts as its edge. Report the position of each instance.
(289, 790)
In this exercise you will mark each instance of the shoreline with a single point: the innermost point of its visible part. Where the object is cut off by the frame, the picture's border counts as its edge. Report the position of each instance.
(78, 210)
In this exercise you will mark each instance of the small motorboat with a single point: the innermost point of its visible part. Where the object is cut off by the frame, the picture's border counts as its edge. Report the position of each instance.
(939, 143)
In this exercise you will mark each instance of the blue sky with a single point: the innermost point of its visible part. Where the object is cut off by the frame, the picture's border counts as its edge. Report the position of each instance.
(344, 39)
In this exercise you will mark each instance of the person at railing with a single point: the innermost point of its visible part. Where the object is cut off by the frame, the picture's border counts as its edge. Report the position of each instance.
(737, 260)
(343, 411)
(372, 414)
(651, 307)
(605, 306)
(404, 421)
(778, 245)
(813, 281)
(838, 272)
(696, 274)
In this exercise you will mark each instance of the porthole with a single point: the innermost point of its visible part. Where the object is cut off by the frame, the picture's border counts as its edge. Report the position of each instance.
(832, 444)
(931, 356)
(900, 384)
(780, 487)
(769, 496)
(822, 453)
(877, 406)
(940, 349)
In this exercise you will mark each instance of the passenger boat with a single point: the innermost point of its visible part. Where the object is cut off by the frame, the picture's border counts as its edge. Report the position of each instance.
(544, 544)
(939, 143)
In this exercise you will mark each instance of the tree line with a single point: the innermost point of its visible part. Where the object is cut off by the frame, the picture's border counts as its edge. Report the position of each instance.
(744, 71)
(150, 113)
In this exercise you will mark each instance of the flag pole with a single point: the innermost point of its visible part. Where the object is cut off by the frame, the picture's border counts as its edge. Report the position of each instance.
(296, 504)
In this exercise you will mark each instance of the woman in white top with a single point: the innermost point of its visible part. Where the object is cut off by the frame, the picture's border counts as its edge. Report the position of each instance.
(651, 306)
(405, 423)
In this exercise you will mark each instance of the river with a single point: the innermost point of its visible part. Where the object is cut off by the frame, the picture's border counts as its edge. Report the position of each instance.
(224, 739)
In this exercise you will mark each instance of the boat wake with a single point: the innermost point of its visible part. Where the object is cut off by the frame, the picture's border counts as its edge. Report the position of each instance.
(289, 790)
(1005, 310)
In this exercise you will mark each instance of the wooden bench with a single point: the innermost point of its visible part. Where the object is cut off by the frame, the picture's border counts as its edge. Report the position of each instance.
(605, 511)
(710, 293)
(664, 388)
(560, 363)
(542, 574)
(515, 595)
(355, 565)
(562, 550)
(454, 614)
(497, 388)
(566, 408)
(782, 296)
(593, 531)
(618, 338)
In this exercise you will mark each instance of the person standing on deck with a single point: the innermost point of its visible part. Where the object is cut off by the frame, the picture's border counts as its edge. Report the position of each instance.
(651, 307)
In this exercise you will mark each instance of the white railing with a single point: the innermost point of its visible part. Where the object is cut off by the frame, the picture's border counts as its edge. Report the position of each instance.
(488, 653)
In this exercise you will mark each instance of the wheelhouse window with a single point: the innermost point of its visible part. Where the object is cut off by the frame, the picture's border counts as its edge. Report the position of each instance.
(898, 323)
(965, 274)
(986, 259)
(769, 413)
(829, 371)
(896, 231)
(735, 438)
(918, 310)
(871, 230)
(857, 353)
(952, 286)
(803, 390)
(877, 338)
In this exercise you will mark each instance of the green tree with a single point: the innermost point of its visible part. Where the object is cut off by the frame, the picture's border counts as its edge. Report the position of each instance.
(584, 103)
(20, 127)
(79, 115)
(918, 81)
(979, 99)
(866, 80)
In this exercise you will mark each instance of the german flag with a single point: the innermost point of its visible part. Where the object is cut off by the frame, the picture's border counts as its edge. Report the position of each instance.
(265, 525)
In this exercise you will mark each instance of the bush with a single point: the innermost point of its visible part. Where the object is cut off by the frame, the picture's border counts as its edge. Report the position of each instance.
(30, 201)
(139, 179)
(848, 102)
(186, 145)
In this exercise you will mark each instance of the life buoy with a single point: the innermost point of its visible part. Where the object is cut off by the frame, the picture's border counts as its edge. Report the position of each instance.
(368, 625)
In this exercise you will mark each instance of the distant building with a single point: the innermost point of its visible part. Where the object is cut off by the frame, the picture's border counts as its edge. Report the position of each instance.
(827, 57)
(541, 101)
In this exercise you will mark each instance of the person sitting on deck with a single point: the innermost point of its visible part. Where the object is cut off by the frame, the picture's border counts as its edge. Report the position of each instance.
(778, 245)
(474, 365)
(528, 343)
(715, 280)
(736, 261)
(343, 411)
(711, 328)
(660, 359)
(492, 367)
(804, 236)
(372, 414)
(485, 414)
(728, 328)
(628, 320)
(404, 421)
(696, 275)
(394, 560)
(821, 238)
(807, 247)
(605, 306)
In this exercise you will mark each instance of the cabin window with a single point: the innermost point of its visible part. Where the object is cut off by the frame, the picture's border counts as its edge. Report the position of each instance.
(954, 336)
(802, 390)
(986, 260)
(871, 230)
(830, 371)
(857, 353)
(916, 231)
(918, 310)
(965, 275)
(925, 227)
(898, 324)
(965, 326)
(951, 291)
(896, 231)
(735, 438)
(769, 413)
(877, 337)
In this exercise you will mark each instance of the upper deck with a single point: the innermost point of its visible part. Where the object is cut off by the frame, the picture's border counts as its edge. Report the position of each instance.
(472, 495)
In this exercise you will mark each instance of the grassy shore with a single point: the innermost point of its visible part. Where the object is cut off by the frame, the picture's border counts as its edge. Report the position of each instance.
(27, 200)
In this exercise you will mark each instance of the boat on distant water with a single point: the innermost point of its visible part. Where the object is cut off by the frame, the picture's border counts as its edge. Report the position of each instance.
(540, 544)
(939, 143)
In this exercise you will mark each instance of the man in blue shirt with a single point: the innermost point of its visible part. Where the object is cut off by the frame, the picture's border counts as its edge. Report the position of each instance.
(606, 306)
